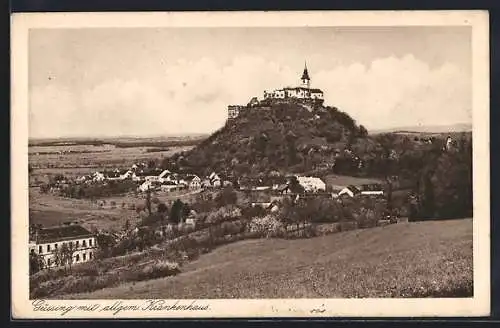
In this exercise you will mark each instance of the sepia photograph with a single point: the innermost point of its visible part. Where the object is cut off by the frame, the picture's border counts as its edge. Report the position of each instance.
(303, 164)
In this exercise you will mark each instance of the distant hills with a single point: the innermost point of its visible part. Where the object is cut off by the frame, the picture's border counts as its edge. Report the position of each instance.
(461, 127)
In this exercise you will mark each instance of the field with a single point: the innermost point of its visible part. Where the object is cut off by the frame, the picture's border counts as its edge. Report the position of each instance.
(76, 157)
(420, 259)
(51, 159)
(50, 210)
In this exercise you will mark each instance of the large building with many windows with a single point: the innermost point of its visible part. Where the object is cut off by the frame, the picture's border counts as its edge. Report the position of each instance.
(47, 242)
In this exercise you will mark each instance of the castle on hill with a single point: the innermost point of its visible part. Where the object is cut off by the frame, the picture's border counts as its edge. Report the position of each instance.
(302, 94)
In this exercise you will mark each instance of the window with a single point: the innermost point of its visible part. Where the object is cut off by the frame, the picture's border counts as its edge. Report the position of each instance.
(55, 246)
(84, 243)
(90, 242)
(77, 257)
(48, 248)
(84, 256)
(90, 255)
(77, 243)
(40, 250)
(49, 262)
(70, 244)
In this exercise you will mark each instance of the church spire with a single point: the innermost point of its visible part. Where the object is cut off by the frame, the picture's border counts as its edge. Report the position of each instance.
(305, 77)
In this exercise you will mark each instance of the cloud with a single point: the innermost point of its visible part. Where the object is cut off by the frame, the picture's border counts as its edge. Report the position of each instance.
(191, 97)
(394, 92)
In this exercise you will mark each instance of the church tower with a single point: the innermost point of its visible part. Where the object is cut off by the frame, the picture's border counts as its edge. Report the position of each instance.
(306, 81)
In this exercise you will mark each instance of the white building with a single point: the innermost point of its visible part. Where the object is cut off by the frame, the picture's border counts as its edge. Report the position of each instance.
(311, 184)
(193, 181)
(48, 241)
(363, 190)
(303, 92)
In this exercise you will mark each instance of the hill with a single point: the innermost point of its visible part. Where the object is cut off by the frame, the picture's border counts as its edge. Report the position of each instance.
(281, 136)
(417, 259)
(454, 128)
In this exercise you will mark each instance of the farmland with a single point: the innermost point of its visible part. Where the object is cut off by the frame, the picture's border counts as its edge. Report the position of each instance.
(73, 158)
(420, 259)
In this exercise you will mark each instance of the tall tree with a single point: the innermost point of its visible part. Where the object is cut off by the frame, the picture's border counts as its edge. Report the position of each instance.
(148, 201)
(176, 211)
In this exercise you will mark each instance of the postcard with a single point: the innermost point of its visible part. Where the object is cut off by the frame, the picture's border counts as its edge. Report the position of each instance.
(250, 164)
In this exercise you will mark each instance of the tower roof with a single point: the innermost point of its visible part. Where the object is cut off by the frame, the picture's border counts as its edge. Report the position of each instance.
(305, 75)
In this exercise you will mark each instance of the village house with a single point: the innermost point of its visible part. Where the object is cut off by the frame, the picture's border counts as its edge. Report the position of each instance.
(191, 220)
(338, 190)
(98, 176)
(215, 180)
(46, 242)
(168, 186)
(114, 175)
(193, 181)
(373, 189)
(311, 184)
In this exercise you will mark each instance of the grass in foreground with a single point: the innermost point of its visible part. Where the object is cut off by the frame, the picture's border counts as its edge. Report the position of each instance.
(422, 259)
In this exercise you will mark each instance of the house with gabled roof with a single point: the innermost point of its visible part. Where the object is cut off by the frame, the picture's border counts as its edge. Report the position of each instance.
(373, 189)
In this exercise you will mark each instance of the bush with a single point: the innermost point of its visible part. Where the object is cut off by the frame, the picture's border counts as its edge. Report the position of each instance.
(226, 213)
(267, 226)
(154, 270)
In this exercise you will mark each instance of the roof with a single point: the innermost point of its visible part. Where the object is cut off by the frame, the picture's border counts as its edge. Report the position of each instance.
(370, 187)
(302, 88)
(62, 233)
(305, 74)
(190, 177)
(337, 187)
(112, 174)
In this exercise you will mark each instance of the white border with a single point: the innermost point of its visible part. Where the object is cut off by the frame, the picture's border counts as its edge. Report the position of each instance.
(479, 305)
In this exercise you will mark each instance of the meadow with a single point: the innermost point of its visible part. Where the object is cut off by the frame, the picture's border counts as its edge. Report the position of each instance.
(77, 157)
(418, 259)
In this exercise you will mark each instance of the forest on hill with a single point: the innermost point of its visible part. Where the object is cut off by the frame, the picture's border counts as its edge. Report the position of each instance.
(287, 138)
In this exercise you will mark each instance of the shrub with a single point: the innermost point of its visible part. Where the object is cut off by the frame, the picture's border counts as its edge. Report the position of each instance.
(224, 214)
(267, 226)
(155, 270)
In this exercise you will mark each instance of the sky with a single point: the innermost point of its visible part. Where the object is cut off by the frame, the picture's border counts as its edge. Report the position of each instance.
(91, 82)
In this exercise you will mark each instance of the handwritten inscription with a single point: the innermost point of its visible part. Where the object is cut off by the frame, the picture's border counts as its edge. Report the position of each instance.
(318, 310)
(116, 307)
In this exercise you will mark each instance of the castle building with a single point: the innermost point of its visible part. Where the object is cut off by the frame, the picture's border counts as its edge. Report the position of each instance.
(303, 93)
(233, 111)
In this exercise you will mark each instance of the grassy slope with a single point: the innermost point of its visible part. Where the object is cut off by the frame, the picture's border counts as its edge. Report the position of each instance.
(403, 260)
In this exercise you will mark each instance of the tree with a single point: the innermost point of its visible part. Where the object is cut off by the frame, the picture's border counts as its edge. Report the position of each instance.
(64, 255)
(36, 262)
(362, 131)
(176, 211)
(226, 197)
(162, 208)
(151, 164)
(126, 226)
(295, 186)
(148, 201)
